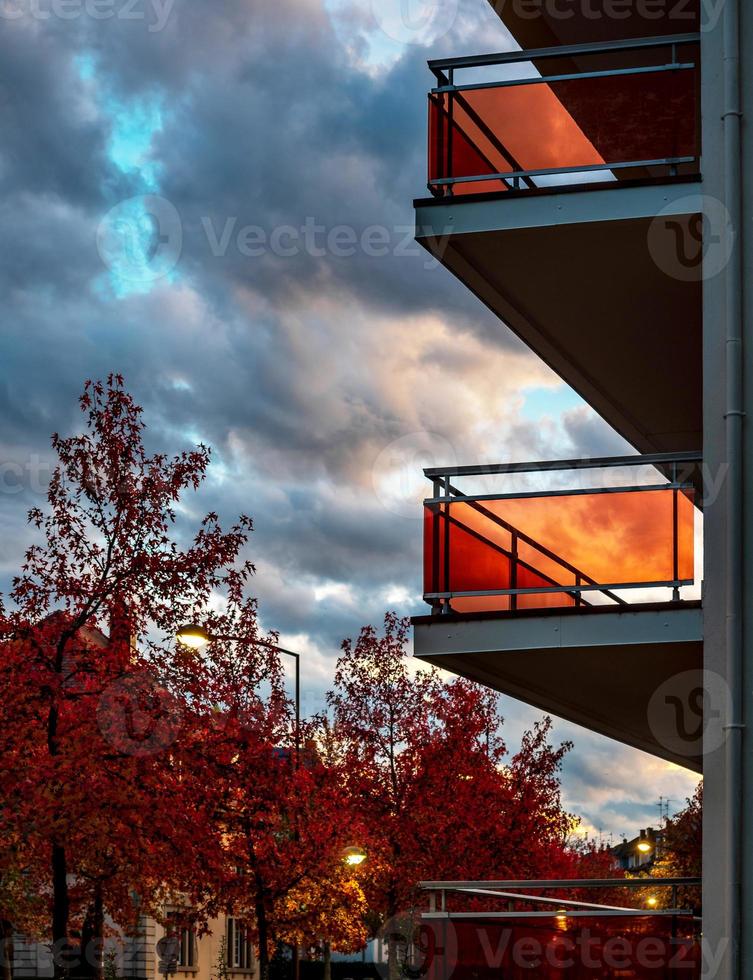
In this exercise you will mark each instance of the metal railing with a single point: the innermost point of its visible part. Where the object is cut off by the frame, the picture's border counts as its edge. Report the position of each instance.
(521, 891)
(488, 929)
(481, 132)
(505, 551)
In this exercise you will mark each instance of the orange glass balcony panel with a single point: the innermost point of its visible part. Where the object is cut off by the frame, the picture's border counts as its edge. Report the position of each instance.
(573, 123)
(618, 537)
(621, 537)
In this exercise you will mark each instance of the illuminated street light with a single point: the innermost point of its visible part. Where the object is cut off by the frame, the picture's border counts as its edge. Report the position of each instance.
(652, 901)
(193, 636)
(196, 637)
(354, 856)
(644, 846)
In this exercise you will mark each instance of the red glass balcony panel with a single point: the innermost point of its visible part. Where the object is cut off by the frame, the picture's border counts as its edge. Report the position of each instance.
(563, 930)
(613, 122)
(557, 549)
(561, 948)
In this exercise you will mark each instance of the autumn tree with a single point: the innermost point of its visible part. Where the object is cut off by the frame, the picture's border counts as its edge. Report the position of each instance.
(432, 779)
(107, 558)
(679, 854)
(279, 823)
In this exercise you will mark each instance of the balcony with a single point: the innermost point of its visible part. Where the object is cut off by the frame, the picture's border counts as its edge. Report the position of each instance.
(555, 117)
(571, 585)
(560, 547)
(560, 929)
(565, 194)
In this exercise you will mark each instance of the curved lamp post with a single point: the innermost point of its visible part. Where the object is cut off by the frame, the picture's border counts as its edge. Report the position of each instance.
(196, 637)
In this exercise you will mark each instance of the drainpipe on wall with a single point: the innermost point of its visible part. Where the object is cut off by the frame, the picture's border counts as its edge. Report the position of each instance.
(734, 443)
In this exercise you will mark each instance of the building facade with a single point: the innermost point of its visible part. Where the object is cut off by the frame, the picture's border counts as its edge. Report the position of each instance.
(224, 952)
(592, 190)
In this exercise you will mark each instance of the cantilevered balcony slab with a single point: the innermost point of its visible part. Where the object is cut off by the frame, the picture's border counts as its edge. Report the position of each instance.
(573, 274)
(540, 24)
(622, 672)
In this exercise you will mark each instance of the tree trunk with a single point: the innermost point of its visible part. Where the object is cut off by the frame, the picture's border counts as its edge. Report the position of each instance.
(92, 939)
(327, 959)
(6, 954)
(60, 911)
(263, 931)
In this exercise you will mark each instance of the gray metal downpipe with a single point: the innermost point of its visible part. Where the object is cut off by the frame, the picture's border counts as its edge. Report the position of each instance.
(734, 497)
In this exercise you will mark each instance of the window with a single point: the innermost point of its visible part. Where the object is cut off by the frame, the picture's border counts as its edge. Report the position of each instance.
(184, 949)
(239, 951)
(187, 947)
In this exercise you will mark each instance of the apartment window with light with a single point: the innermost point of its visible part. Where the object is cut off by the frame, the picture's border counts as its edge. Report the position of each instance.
(239, 948)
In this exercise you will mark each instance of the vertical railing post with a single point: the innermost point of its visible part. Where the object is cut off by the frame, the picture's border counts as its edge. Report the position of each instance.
(513, 569)
(675, 537)
(436, 604)
(450, 126)
(446, 604)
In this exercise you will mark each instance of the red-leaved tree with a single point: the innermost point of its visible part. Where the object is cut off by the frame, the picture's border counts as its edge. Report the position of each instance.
(91, 720)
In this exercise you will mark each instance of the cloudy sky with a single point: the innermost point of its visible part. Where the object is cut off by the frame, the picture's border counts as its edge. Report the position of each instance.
(214, 198)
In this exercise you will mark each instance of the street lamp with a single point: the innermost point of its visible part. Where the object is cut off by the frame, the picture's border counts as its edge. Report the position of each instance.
(644, 846)
(354, 855)
(197, 637)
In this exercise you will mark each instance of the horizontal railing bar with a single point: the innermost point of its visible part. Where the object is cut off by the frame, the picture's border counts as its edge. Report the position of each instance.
(571, 76)
(590, 914)
(561, 51)
(672, 584)
(547, 901)
(553, 171)
(527, 494)
(584, 463)
(559, 883)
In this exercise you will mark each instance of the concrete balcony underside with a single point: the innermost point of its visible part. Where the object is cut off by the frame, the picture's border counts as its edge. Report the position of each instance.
(572, 274)
(620, 673)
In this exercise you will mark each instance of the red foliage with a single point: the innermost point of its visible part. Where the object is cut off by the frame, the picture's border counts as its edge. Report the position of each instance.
(430, 776)
(91, 789)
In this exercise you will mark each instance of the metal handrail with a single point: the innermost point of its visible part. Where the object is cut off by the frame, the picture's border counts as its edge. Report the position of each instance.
(583, 463)
(444, 71)
(572, 908)
(549, 883)
(559, 51)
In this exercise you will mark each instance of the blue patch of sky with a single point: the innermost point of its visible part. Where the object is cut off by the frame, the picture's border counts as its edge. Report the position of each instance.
(128, 233)
(545, 401)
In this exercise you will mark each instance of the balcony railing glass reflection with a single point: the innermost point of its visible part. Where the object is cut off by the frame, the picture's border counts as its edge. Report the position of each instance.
(527, 119)
(560, 546)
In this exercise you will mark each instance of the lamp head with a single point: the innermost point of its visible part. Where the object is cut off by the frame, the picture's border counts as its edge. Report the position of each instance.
(353, 856)
(193, 636)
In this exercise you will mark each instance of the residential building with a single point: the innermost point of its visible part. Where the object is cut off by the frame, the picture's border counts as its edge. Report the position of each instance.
(155, 952)
(592, 189)
(639, 853)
